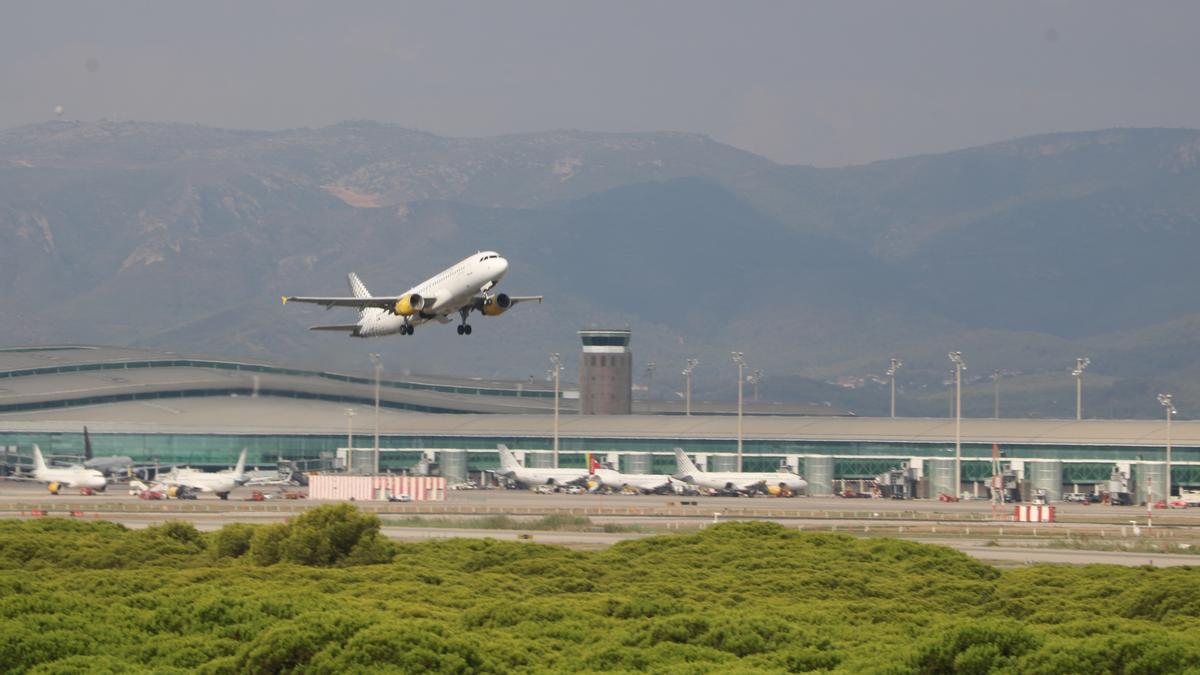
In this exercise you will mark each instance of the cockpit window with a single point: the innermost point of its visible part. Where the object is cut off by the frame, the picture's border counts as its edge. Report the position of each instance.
(488, 257)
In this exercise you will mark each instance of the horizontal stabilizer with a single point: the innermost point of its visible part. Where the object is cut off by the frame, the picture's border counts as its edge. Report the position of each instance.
(342, 327)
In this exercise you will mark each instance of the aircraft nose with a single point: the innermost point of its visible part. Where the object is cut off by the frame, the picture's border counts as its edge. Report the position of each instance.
(501, 265)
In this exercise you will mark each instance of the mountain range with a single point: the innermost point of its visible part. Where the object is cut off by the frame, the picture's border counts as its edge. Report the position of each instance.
(1023, 255)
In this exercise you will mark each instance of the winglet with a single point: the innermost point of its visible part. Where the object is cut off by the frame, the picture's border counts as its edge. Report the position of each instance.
(283, 298)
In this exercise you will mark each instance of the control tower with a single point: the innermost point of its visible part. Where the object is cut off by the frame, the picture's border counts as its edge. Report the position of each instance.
(605, 373)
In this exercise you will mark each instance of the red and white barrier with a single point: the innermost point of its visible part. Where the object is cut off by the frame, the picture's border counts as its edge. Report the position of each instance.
(1034, 514)
(372, 488)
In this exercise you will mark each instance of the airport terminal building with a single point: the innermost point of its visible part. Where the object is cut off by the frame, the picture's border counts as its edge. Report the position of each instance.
(177, 409)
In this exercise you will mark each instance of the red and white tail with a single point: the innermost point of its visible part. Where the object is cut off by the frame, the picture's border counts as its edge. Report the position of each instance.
(593, 464)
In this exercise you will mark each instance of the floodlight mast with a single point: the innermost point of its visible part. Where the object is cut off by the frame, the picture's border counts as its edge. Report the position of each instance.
(557, 362)
(741, 364)
(891, 372)
(1168, 402)
(687, 373)
(1081, 365)
(959, 366)
(996, 394)
(376, 361)
(350, 436)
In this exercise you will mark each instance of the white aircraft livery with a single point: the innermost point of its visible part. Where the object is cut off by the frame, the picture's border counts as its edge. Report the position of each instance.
(737, 481)
(220, 483)
(648, 483)
(459, 289)
(75, 476)
(511, 469)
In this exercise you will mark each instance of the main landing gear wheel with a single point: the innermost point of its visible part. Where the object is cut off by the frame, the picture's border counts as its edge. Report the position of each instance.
(464, 329)
(406, 329)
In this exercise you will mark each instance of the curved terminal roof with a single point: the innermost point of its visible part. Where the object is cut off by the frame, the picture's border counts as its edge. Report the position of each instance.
(280, 416)
(42, 378)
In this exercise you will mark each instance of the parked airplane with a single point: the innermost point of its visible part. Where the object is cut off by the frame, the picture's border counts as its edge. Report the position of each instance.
(511, 469)
(459, 289)
(220, 483)
(737, 481)
(113, 464)
(641, 482)
(60, 477)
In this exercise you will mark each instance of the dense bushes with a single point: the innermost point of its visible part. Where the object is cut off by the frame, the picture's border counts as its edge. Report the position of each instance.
(326, 593)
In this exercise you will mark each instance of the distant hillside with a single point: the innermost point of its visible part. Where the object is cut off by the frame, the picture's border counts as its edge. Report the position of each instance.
(1022, 254)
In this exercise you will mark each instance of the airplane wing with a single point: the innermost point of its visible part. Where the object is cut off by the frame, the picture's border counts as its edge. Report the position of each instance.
(379, 302)
(493, 305)
(514, 299)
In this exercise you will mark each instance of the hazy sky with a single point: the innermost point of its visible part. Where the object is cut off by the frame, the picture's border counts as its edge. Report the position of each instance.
(825, 83)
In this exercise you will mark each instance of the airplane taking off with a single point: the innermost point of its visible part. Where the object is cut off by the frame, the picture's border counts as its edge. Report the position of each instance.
(220, 483)
(511, 469)
(74, 476)
(647, 483)
(458, 289)
(737, 481)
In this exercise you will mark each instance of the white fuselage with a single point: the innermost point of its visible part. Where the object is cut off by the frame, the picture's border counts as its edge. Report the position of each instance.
(512, 470)
(74, 476)
(746, 482)
(643, 482)
(530, 477)
(452, 289)
(219, 483)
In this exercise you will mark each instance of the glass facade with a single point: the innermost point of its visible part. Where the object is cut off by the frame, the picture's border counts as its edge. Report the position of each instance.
(854, 460)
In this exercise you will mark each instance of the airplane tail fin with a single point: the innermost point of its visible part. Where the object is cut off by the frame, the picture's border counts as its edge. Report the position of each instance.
(593, 464)
(684, 465)
(39, 463)
(240, 469)
(87, 445)
(358, 288)
(507, 460)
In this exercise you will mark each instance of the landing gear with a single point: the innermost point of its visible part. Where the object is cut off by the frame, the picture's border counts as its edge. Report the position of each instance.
(406, 329)
(464, 329)
(223, 495)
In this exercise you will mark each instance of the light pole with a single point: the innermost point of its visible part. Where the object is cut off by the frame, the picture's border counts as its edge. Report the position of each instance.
(687, 373)
(557, 369)
(891, 372)
(950, 395)
(350, 435)
(959, 366)
(1168, 402)
(996, 394)
(378, 363)
(741, 364)
(1080, 365)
